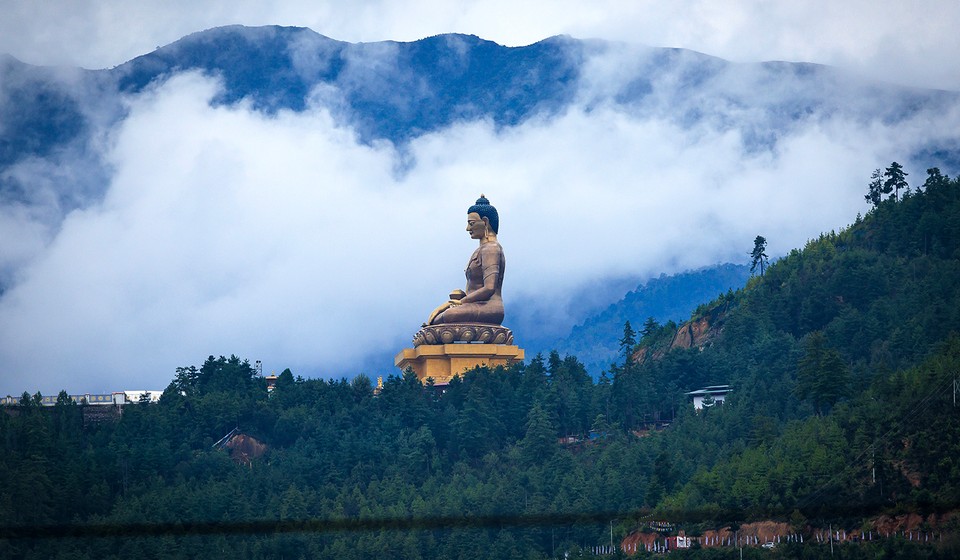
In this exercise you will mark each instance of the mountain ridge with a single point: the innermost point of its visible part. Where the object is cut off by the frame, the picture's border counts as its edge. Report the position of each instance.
(400, 90)
(277, 66)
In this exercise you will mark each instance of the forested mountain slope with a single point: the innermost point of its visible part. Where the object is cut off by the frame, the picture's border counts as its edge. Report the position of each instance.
(840, 357)
(665, 298)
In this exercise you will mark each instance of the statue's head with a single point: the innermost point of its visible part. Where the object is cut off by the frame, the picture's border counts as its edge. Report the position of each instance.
(484, 209)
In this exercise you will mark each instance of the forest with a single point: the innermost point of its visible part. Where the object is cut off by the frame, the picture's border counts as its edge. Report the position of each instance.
(842, 358)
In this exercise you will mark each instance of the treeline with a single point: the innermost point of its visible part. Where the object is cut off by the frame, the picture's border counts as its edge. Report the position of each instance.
(841, 358)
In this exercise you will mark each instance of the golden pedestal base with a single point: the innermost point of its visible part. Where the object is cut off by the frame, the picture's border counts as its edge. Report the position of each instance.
(443, 361)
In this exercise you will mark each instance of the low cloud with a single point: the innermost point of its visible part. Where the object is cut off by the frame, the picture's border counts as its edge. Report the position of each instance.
(283, 238)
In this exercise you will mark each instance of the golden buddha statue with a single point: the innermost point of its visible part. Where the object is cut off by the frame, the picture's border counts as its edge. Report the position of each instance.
(481, 302)
(466, 331)
(476, 313)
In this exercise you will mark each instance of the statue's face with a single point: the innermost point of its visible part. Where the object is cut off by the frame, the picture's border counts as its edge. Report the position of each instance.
(476, 226)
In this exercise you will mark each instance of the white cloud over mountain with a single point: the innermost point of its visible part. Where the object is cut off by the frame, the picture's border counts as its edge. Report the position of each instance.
(284, 239)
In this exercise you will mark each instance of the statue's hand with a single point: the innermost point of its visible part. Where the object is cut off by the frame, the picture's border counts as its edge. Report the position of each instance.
(454, 302)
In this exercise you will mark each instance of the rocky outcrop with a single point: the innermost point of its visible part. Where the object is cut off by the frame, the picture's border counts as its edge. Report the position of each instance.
(692, 334)
(640, 541)
(698, 333)
(887, 524)
(244, 449)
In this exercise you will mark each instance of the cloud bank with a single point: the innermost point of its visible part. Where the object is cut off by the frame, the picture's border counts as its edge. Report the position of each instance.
(283, 239)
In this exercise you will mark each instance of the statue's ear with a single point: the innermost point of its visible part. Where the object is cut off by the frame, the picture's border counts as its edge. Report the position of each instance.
(486, 221)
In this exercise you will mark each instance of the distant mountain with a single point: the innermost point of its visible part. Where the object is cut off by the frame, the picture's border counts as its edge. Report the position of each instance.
(51, 115)
(594, 341)
(398, 91)
(386, 90)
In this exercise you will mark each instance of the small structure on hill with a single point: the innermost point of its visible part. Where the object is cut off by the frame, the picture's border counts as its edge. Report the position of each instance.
(116, 398)
(709, 396)
(271, 382)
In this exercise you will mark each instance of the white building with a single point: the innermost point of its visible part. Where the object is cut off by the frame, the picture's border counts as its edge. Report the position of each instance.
(709, 396)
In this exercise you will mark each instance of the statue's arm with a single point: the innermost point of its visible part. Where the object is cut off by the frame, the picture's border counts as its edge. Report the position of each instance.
(483, 293)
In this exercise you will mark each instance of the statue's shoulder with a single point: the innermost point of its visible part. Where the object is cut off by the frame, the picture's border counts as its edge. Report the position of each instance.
(491, 250)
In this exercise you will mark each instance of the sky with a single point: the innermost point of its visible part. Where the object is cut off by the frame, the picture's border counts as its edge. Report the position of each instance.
(284, 239)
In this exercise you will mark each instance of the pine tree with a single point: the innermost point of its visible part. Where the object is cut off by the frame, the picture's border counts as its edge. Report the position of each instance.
(540, 440)
(895, 180)
(822, 376)
(628, 341)
(650, 326)
(758, 254)
(875, 188)
(935, 180)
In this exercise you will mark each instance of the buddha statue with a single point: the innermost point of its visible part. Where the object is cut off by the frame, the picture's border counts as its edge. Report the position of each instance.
(476, 313)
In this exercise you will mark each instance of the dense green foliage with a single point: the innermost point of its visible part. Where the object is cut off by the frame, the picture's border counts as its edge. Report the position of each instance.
(841, 356)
